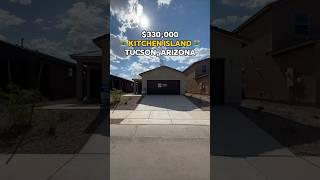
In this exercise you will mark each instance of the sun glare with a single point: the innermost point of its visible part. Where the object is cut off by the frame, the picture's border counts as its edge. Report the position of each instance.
(144, 22)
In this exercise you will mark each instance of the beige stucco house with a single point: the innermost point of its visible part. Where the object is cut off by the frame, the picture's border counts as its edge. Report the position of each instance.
(163, 80)
(198, 75)
(227, 50)
(275, 61)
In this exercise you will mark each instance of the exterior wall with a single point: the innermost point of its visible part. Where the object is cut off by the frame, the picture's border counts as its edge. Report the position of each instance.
(164, 73)
(262, 77)
(305, 63)
(196, 78)
(58, 80)
(193, 85)
(121, 84)
(222, 46)
(284, 34)
(24, 67)
(259, 27)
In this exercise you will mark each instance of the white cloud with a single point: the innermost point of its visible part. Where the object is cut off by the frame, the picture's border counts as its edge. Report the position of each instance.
(229, 21)
(113, 68)
(124, 75)
(102, 2)
(127, 12)
(181, 68)
(38, 21)
(49, 47)
(116, 50)
(164, 2)
(201, 53)
(7, 19)
(46, 28)
(84, 22)
(136, 68)
(148, 59)
(247, 3)
(22, 2)
(2, 37)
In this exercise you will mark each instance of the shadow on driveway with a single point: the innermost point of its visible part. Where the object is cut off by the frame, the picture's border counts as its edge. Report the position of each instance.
(166, 102)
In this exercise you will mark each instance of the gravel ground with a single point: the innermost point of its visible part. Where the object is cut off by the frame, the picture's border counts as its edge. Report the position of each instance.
(70, 135)
(132, 103)
(301, 138)
(201, 102)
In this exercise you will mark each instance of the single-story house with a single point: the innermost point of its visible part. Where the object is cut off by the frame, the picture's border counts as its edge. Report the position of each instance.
(121, 84)
(92, 78)
(29, 69)
(163, 80)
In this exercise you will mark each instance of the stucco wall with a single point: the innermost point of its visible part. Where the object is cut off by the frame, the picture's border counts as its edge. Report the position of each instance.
(230, 50)
(305, 62)
(193, 85)
(284, 33)
(164, 73)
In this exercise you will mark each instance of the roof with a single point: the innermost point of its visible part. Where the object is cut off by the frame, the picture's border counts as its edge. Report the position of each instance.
(99, 40)
(195, 63)
(262, 11)
(37, 53)
(93, 53)
(159, 68)
(293, 47)
(117, 77)
(231, 34)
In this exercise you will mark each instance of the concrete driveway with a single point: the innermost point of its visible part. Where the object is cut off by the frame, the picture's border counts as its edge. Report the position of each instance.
(166, 137)
(165, 110)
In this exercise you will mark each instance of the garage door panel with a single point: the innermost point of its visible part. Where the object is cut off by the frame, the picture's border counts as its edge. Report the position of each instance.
(163, 87)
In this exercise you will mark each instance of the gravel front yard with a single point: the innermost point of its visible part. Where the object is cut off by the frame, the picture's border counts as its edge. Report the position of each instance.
(69, 137)
(201, 101)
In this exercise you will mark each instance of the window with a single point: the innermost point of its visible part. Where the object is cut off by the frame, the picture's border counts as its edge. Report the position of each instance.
(204, 69)
(302, 24)
(70, 72)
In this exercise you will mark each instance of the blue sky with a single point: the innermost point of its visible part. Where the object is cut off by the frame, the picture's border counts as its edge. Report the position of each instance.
(62, 27)
(58, 27)
(190, 18)
(229, 14)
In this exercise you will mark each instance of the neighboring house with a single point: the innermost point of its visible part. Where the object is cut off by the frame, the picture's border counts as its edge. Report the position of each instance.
(227, 47)
(279, 57)
(30, 69)
(91, 77)
(198, 75)
(88, 75)
(163, 80)
(121, 84)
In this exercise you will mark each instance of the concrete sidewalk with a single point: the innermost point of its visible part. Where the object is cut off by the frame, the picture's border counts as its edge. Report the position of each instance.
(164, 110)
(159, 152)
(244, 151)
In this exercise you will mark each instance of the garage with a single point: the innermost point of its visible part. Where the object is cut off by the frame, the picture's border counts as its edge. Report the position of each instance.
(163, 87)
(163, 80)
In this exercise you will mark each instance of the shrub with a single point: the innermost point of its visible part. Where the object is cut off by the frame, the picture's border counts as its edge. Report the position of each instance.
(115, 96)
(16, 108)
